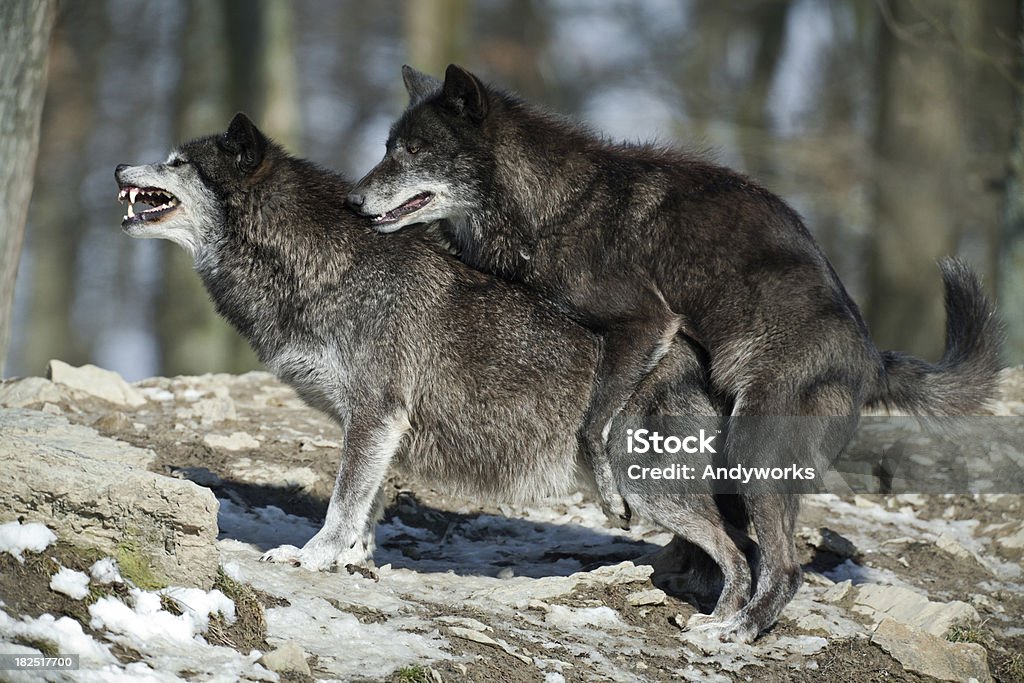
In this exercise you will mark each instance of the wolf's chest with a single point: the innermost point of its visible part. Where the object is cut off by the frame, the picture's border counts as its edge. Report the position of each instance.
(316, 374)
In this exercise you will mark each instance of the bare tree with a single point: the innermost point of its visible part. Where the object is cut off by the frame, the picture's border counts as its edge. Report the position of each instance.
(918, 178)
(435, 33)
(24, 38)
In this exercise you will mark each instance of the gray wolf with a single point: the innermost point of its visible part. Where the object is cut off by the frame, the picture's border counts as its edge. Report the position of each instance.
(466, 381)
(644, 243)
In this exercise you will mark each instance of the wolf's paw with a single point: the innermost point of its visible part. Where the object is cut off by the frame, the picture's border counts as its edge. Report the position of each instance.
(285, 554)
(740, 632)
(731, 630)
(616, 510)
(726, 630)
(319, 557)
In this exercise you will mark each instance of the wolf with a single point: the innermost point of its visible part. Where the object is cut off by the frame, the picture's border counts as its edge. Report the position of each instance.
(646, 242)
(468, 382)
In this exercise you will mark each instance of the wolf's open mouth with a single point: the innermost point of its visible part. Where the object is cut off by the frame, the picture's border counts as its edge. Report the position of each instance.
(414, 204)
(161, 201)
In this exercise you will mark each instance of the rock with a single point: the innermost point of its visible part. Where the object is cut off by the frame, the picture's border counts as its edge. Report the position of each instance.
(19, 393)
(1013, 540)
(216, 409)
(913, 499)
(812, 613)
(816, 579)
(467, 622)
(864, 502)
(273, 474)
(948, 544)
(236, 442)
(654, 596)
(838, 591)
(95, 491)
(308, 445)
(209, 410)
(113, 422)
(202, 476)
(929, 655)
(913, 609)
(483, 639)
(828, 541)
(834, 627)
(622, 573)
(95, 381)
(287, 657)
(804, 646)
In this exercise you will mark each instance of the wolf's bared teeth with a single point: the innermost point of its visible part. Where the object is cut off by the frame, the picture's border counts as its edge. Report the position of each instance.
(131, 211)
(132, 193)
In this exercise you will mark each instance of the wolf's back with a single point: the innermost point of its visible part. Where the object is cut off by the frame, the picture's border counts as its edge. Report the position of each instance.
(966, 376)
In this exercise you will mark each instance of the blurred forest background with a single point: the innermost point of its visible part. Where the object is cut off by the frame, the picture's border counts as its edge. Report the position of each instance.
(894, 127)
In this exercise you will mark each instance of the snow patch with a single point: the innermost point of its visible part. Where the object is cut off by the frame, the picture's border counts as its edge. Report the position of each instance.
(65, 634)
(147, 621)
(71, 583)
(369, 651)
(16, 538)
(105, 571)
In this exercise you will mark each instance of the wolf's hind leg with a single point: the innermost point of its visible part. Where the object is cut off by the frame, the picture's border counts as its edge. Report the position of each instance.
(756, 436)
(677, 390)
(696, 518)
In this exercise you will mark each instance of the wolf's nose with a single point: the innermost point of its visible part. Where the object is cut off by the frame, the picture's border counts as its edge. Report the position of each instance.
(355, 199)
(120, 167)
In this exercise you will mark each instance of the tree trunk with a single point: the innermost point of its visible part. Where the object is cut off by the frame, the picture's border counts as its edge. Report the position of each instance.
(1010, 280)
(435, 33)
(918, 181)
(24, 40)
(947, 116)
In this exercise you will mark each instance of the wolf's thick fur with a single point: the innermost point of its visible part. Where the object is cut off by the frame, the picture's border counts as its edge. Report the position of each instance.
(464, 380)
(643, 242)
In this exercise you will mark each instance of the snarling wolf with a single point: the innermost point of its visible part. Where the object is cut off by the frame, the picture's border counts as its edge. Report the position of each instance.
(459, 378)
(645, 242)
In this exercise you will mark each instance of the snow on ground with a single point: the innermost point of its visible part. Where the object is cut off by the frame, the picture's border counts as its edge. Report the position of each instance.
(72, 583)
(16, 538)
(170, 644)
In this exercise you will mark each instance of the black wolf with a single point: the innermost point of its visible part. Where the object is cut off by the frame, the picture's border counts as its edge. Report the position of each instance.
(460, 378)
(643, 242)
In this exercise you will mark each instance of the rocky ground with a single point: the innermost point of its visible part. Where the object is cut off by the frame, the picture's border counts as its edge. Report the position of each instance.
(185, 481)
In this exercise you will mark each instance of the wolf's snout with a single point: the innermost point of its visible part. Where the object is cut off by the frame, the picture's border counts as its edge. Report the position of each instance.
(355, 199)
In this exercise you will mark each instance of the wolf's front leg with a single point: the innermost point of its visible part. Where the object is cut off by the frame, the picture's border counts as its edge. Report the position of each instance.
(347, 534)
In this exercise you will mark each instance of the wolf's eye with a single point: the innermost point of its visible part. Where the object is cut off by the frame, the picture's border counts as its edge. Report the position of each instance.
(178, 161)
(413, 147)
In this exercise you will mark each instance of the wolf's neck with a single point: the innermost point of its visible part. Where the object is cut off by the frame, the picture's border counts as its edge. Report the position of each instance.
(265, 277)
(531, 196)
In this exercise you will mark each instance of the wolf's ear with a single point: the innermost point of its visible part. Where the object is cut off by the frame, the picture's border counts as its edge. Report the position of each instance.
(465, 92)
(419, 85)
(245, 140)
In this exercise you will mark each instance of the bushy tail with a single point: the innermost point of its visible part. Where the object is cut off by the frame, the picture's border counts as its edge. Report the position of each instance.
(966, 376)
